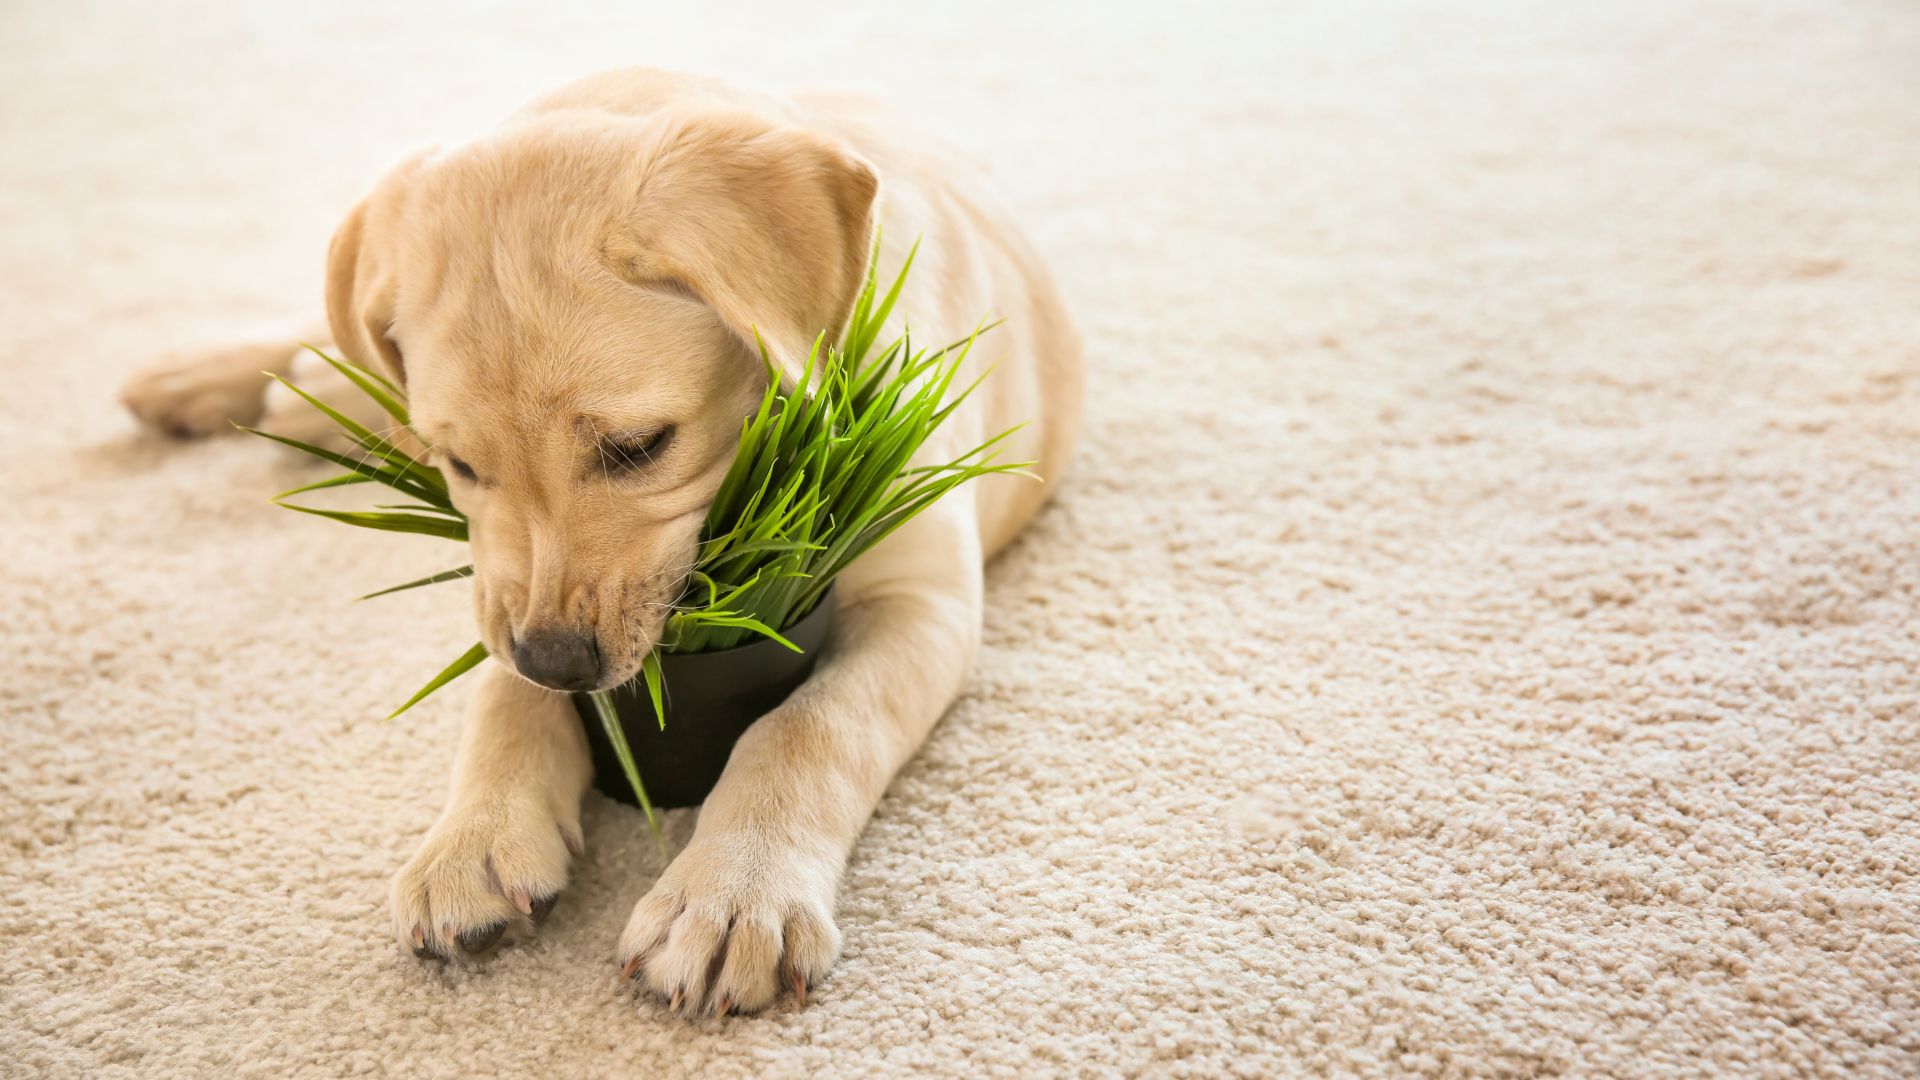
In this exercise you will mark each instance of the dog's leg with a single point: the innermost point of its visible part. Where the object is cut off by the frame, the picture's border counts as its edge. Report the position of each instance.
(201, 392)
(747, 909)
(204, 391)
(498, 856)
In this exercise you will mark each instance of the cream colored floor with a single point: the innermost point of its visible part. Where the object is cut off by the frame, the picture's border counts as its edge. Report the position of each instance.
(1480, 638)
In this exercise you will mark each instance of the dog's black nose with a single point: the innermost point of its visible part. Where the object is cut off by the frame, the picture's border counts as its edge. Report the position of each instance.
(561, 659)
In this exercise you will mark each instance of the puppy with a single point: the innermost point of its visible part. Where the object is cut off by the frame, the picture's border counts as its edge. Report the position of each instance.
(584, 286)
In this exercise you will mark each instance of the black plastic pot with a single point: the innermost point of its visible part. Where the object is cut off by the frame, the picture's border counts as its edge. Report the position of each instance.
(711, 699)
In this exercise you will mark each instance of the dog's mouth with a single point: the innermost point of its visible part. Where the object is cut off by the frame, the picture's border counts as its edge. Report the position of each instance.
(577, 653)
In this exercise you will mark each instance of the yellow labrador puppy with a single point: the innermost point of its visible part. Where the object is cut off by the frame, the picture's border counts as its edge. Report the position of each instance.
(583, 286)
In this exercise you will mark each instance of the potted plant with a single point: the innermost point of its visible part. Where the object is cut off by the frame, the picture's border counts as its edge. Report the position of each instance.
(823, 472)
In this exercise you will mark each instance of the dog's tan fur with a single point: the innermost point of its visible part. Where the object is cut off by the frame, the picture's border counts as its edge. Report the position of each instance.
(598, 266)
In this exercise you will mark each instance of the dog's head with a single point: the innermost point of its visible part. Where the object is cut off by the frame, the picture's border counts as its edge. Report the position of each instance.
(572, 306)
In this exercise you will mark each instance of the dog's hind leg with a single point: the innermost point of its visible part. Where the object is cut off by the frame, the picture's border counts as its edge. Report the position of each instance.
(204, 391)
(200, 392)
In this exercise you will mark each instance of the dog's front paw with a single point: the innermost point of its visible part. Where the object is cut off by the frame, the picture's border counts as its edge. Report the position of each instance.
(734, 921)
(484, 869)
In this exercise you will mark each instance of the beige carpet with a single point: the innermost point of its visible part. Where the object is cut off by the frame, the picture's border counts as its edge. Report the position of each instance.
(1480, 637)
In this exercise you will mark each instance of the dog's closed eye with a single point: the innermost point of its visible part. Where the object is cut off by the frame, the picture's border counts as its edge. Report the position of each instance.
(461, 468)
(629, 451)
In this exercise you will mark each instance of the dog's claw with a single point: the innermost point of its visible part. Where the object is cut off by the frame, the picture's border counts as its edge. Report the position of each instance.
(799, 984)
(675, 1003)
(481, 939)
(632, 967)
(543, 907)
(724, 1005)
(522, 901)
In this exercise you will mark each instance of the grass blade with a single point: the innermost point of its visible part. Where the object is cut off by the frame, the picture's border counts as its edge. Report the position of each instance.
(383, 393)
(432, 579)
(386, 474)
(610, 723)
(391, 522)
(330, 482)
(467, 662)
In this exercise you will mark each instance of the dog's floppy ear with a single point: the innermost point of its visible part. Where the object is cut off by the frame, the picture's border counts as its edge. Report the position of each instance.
(768, 225)
(362, 269)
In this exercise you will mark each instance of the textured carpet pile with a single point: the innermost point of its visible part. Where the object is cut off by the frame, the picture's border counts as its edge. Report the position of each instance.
(1481, 636)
